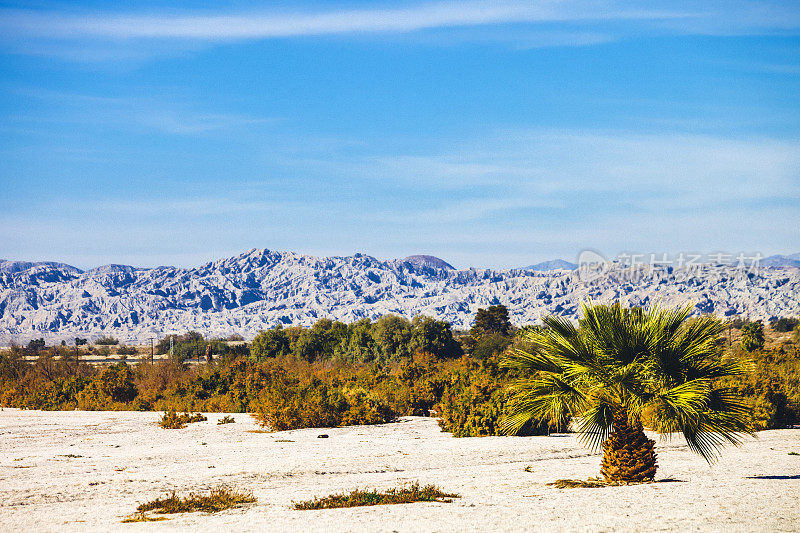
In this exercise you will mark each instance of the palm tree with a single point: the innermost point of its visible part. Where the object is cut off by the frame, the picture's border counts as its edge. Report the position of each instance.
(619, 367)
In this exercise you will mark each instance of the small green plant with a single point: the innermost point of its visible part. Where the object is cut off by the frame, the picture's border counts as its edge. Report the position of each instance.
(172, 420)
(528, 468)
(407, 494)
(219, 499)
(794, 453)
(225, 420)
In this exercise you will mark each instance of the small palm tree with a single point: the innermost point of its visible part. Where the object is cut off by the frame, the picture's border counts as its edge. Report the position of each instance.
(619, 367)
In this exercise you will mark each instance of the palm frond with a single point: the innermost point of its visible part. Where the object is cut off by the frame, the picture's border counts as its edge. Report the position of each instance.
(594, 425)
(724, 421)
(546, 398)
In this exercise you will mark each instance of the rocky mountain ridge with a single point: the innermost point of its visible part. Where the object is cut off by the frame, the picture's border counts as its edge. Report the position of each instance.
(261, 288)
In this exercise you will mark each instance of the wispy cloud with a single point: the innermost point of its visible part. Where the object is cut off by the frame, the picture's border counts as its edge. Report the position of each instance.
(134, 35)
(506, 198)
(271, 25)
(167, 113)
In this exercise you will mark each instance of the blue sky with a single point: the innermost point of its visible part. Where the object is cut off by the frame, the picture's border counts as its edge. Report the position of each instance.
(491, 134)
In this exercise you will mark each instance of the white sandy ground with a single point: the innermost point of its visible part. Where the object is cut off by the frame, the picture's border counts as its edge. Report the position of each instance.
(126, 459)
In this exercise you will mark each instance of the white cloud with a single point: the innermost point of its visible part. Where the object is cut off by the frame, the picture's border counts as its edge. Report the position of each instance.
(130, 37)
(493, 201)
(271, 25)
(168, 113)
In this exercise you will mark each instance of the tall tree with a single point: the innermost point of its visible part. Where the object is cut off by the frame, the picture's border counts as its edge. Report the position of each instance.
(491, 320)
(621, 366)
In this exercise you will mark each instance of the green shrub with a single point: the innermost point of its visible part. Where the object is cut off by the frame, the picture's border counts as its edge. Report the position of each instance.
(753, 336)
(357, 498)
(219, 499)
(126, 350)
(172, 420)
(784, 324)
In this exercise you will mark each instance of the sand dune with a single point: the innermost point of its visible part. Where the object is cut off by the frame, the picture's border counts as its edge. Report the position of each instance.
(85, 471)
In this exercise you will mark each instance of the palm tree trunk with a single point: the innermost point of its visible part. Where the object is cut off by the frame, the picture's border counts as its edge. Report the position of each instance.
(628, 454)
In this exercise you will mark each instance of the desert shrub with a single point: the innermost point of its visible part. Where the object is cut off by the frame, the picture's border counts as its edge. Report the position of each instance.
(106, 341)
(290, 403)
(474, 400)
(126, 350)
(219, 499)
(472, 404)
(753, 336)
(771, 389)
(172, 420)
(103, 351)
(116, 382)
(226, 420)
(784, 324)
(738, 322)
(357, 498)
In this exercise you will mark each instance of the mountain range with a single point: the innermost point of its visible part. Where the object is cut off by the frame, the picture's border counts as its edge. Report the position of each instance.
(262, 288)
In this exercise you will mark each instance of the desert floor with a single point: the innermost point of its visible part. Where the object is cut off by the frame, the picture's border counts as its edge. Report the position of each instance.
(85, 471)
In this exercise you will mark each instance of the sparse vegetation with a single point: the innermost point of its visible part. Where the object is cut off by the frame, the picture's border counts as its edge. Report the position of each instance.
(362, 373)
(784, 324)
(106, 341)
(227, 419)
(219, 499)
(143, 517)
(407, 494)
(172, 420)
(126, 350)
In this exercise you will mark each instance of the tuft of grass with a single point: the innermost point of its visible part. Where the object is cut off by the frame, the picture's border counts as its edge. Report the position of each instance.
(226, 420)
(793, 453)
(528, 468)
(407, 494)
(172, 420)
(142, 517)
(219, 499)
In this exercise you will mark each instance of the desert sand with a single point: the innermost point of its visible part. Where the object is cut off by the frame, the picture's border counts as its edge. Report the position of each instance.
(85, 471)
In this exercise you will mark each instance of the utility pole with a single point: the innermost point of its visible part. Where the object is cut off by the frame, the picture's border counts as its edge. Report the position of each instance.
(152, 349)
(170, 347)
